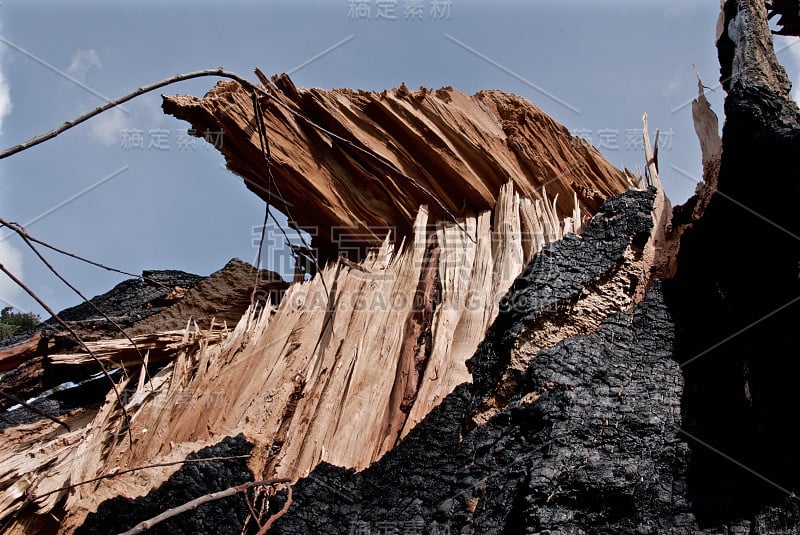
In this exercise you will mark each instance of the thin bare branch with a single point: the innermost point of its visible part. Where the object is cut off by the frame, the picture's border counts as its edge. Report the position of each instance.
(94, 263)
(274, 518)
(262, 138)
(19, 229)
(14, 399)
(80, 341)
(175, 511)
(138, 468)
(264, 144)
(116, 102)
(252, 510)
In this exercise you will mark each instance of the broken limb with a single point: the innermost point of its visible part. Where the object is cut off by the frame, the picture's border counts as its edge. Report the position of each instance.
(222, 73)
(197, 502)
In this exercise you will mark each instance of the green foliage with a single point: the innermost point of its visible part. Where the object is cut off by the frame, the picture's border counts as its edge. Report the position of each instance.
(12, 322)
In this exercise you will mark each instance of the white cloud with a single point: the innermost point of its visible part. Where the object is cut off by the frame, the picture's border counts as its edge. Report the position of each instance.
(677, 83)
(82, 62)
(11, 258)
(5, 93)
(107, 127)
(5, 99)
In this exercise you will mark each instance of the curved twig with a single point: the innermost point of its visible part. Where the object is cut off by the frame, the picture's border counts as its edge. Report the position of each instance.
(274, 518)
(80, 341)
(121, 100)
(19, 229)
(188, 506)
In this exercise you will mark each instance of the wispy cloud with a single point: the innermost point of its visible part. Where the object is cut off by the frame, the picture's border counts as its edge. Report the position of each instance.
(82, 62)
(9, 255)
(5, 98)
(5, 93)
(11, 258)
(676, 83)
(107, 127)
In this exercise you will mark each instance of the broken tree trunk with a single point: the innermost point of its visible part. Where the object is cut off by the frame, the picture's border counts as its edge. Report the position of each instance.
(352, 164)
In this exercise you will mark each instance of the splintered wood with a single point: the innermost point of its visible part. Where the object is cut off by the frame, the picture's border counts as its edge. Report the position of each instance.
(340, 375)
(442, 147)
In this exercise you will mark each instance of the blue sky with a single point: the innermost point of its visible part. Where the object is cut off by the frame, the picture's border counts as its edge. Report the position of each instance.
(594, 66)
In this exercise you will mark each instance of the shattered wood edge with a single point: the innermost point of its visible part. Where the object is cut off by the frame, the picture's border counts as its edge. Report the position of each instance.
(246, 337)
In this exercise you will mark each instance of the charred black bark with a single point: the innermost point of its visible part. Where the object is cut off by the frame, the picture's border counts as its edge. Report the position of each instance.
(677, 416)
(735, 296)
(190, 482)
(590, 441)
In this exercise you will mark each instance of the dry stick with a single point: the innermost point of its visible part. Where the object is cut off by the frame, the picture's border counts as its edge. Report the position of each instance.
(116, 102)
(266, 154)
(21, 231)
(262, 135)
(80, 341)
(138, 468)
(253, 513)
(15, 399)
(264, 142)
(258, 258)
(274, 518)
(97, 264)
(188, 506)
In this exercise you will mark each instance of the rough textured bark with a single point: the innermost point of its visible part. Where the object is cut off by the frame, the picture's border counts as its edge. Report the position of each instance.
(738, 271)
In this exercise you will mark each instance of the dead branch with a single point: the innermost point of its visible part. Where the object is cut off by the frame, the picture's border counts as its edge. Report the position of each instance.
(188, 506)
(19, 229)
(264, 143)
(276, 516)
(92, 262)
(252, 510)
(138, 468)
(262, 138)
(15, 399)
(79, 340)
(116, 102)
